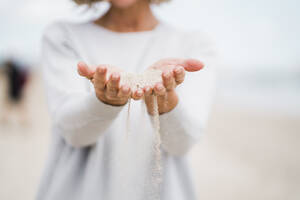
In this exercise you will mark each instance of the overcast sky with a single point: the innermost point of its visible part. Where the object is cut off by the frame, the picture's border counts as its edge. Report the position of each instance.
(248, 33)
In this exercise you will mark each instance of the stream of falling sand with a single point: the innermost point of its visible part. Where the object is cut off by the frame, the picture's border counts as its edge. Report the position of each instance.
(150, 78)
(157, 171)
(156, 176)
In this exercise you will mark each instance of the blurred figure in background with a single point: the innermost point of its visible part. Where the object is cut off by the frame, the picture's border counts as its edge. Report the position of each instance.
(15, 79)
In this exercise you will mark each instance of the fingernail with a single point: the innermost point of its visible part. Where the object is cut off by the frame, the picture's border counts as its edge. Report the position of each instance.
(125, 88)
(160, 87)
(102, 69)
(167, 75)
(178, 70)
(80, 63)
(139, 93)
(115, 76)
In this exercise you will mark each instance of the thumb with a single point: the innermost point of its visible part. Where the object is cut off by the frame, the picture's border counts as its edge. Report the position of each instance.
(192, 65)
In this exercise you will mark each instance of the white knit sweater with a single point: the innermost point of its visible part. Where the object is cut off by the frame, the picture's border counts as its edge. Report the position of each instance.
(90, 157)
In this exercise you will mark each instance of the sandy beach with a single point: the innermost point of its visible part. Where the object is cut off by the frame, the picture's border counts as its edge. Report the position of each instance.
(245, 154)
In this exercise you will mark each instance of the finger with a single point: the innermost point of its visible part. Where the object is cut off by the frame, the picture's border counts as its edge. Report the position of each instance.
(138, 94)
(99, 79)
(159, 89)
(149, 98)
(124, 91)
(179, 74)
(148, 91)
(149, 101)
(192, 65)
(112, 85)
(168, 80)
(84, 70)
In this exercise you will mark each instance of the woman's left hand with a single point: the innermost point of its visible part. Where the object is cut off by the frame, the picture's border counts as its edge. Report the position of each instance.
(173, 73)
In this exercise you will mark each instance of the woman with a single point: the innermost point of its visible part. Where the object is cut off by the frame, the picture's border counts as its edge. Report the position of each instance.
(91, 157)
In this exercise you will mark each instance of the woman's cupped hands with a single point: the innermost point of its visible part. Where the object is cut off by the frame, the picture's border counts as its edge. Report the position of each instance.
(108, 88)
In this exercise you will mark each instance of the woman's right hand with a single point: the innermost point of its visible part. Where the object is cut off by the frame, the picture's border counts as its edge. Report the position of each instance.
(109, 90)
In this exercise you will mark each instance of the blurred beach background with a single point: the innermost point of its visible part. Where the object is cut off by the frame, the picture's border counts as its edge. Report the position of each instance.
(251, 147)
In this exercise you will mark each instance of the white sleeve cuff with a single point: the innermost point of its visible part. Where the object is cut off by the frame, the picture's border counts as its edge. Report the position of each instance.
(176, 128)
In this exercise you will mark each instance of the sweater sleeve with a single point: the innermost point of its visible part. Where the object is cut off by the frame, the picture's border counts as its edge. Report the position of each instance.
(181, 127)
(76, 113)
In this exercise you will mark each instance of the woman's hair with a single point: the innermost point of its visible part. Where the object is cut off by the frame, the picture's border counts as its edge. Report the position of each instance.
(89, 2)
